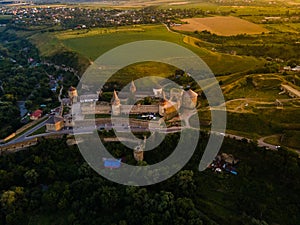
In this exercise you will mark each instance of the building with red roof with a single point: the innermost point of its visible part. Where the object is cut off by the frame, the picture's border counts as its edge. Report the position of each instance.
(36, 114)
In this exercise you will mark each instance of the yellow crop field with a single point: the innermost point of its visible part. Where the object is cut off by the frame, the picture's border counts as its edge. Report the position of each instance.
(221, 25)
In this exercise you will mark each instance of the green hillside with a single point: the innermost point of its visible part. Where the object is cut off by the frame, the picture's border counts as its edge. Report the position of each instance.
(91, 44)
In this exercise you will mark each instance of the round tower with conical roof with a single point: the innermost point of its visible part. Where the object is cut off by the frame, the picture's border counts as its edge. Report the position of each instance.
(132, 87)
(162, 104)
(157, 91)
(189, 99)
(116, 105)
(72, 92)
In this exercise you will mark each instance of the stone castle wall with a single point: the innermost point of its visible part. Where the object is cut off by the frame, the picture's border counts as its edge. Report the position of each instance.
(139, 109)
(18, 146)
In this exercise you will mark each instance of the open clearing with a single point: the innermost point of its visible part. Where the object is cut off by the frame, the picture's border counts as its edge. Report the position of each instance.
(221, 25)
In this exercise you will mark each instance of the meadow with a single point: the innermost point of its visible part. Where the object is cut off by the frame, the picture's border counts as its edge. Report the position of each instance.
(47, 44)
(284, 28)
(252, 111)
(94, 43)
(221, 25)
(138, 70)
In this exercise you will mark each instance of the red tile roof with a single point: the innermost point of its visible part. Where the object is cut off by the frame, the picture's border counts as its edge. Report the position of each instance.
(37, 113)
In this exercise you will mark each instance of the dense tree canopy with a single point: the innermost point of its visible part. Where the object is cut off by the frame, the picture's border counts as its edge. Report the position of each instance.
(51, 182)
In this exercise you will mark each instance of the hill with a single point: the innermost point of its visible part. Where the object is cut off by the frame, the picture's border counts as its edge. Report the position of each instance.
(92, 44)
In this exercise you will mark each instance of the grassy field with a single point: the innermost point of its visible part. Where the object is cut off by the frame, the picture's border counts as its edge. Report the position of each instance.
(41, 130)
(274, 140)
(288, 139)
(251, 108)
(136, 71)
(284, 28)
(134, 4)
(258, 10)
(47, 44)
(234, 26)
(224, 63)
(96, 42)
(263, 86)
(265, 122)
(291, 139)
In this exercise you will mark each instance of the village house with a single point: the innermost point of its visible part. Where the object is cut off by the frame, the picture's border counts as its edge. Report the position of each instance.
(36, 114)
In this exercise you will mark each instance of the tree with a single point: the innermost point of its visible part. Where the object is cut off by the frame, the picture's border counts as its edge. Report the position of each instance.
(185, 182)
(31, 177)
(109, 197)
(13, 199)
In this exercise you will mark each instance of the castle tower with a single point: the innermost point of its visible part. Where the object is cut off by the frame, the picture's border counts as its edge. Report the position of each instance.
(164, 95)
(138, 151)
(72, 92)
(116, 105)
(176, 94)
(189, 99)
(162, 104)
(131, 97)
(132, 87)
(157, 91)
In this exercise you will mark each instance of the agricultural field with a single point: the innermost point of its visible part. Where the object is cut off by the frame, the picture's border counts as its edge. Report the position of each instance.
(133, 4)
(284, 28)
(221, 25)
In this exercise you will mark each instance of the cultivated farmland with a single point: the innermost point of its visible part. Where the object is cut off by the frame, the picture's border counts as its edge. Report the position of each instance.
(221, 25)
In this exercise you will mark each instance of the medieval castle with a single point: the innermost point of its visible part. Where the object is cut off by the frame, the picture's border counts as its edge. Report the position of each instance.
(123, 103)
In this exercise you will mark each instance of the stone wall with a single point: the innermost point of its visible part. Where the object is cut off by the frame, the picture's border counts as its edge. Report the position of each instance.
(98, 109)
(11, 148)
(139, 109)
(18, 146)
(108, 122)
(125, 109)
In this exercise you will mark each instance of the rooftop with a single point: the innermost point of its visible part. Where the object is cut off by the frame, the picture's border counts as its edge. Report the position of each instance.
(37, 113)
(54, 119)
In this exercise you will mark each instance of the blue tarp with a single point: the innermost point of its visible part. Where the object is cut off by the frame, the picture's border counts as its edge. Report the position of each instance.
(112, 163)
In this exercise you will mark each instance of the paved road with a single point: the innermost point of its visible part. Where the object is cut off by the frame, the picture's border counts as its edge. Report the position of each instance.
(261, 142)
(84, 130)
(24, 137)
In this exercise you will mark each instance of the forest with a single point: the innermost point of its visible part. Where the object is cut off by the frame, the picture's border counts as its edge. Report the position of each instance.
(23, 77)
(51, 184)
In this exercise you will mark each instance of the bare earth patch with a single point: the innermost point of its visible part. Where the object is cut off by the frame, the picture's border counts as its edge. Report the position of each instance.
(221, 25)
